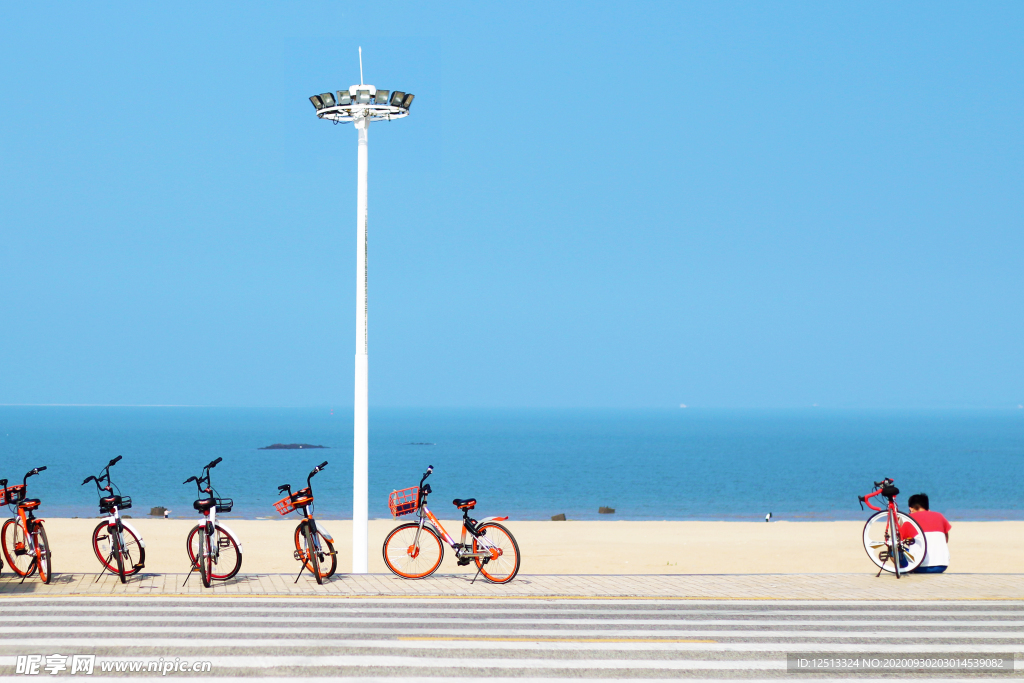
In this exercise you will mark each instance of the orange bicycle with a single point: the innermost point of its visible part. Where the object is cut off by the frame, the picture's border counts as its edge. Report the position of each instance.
(314, 547)
(414, 550)
(24, 542)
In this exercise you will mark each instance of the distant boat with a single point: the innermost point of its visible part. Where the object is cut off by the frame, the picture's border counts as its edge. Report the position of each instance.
(420, 443)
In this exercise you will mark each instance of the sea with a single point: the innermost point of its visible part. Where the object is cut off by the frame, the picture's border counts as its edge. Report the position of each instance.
(658, 464)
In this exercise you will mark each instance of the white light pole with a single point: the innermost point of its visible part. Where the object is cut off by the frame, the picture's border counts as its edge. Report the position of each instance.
(361, 104)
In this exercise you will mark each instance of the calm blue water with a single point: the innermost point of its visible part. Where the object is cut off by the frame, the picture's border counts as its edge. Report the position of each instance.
(531, 464)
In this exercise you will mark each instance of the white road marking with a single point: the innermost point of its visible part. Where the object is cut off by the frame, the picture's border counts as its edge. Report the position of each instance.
(194, 645)
(539, 632)
(474, 663)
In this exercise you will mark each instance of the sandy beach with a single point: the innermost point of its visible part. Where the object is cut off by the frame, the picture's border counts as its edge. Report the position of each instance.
(590, 547)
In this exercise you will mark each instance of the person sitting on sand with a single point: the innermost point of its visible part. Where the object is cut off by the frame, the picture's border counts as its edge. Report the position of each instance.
(936, 532)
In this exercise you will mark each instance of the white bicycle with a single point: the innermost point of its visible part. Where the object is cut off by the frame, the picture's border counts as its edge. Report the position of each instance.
(118, 545)
(213, 548)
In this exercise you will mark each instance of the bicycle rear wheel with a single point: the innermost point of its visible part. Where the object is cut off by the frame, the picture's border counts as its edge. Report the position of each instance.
(15, 548)
(503, 565)
(42, 552)
(408, 560)
(912, 544)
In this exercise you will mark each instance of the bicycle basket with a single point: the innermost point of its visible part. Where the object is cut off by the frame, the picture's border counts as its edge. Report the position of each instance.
(405, 501)
(122, 503)
(284, 506)
(224, 504)
(14, 494)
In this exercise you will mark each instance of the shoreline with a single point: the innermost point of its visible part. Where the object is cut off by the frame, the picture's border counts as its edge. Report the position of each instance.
(573, 547)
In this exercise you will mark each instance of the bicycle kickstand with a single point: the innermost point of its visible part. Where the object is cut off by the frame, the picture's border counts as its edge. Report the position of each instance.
(28, 571)
(302, 565)
(479, 569)
(189, 575)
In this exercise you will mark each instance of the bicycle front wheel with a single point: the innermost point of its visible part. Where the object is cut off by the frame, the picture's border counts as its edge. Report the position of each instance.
(327, 557)
(911, 544)
(118, 554)
(408, 559)
(131, 549)
(15, 547)
(503, 564)
(200, 553)
(42, 552)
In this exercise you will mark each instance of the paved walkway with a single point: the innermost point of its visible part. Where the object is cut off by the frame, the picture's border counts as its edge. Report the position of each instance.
(403, 640)
(693, 586)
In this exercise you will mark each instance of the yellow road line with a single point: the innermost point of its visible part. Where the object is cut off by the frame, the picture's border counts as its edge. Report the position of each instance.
(512, 639)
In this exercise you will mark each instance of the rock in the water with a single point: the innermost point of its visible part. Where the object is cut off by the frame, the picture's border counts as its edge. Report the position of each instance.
(605, 511)
(289, 446)
(158, 511)
(560, 517)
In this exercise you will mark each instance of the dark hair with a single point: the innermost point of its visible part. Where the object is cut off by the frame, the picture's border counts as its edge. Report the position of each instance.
(918, 500)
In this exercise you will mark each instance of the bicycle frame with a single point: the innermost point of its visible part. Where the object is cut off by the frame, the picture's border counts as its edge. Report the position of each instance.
(427, 517)
(24, 521)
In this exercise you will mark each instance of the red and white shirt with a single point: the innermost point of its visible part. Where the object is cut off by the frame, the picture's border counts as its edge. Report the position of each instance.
(935, 528)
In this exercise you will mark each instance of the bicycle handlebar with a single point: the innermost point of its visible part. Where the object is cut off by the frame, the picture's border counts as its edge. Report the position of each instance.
(114, 461)
(33, 472)
(314, 472)
(880, 486)
(213, 464)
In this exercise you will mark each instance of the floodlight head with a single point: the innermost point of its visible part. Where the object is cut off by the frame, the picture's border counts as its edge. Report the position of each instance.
(362, 102)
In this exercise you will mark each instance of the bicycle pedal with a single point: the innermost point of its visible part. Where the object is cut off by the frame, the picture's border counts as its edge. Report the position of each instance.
(299, 556)
(464, 561)
(224, 543)
(138, 566)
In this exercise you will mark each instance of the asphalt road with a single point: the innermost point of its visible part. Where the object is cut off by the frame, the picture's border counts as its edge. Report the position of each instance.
(403, 639)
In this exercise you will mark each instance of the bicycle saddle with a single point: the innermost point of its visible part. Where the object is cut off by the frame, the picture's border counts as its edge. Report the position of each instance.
(30, 504)
(204, 504)
(110, 501)
(464, 504)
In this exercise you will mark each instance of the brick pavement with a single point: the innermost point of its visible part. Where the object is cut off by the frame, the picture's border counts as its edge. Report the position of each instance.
(693, 586)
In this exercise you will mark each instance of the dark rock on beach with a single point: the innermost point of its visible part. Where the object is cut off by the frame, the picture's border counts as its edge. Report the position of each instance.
(289, 446)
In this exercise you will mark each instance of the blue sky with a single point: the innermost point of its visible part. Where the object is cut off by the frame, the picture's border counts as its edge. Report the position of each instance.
(592, 204)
